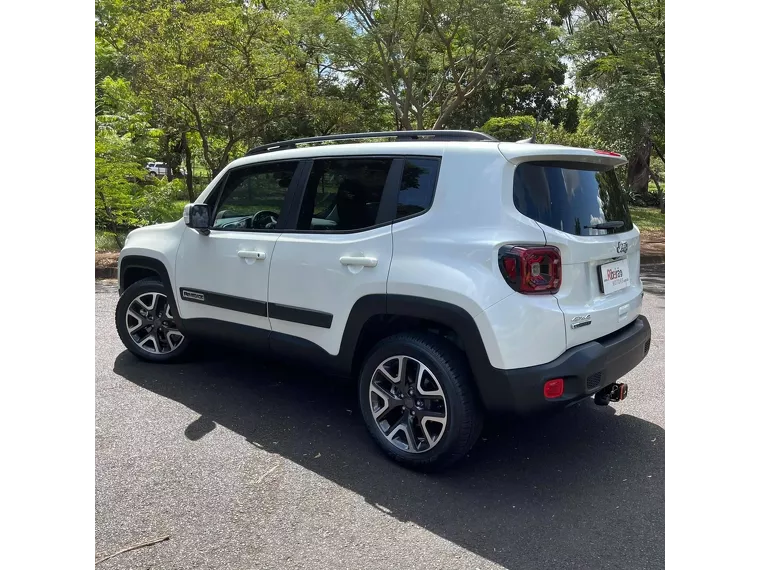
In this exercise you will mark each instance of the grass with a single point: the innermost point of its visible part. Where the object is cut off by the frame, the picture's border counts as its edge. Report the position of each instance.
(648, 219)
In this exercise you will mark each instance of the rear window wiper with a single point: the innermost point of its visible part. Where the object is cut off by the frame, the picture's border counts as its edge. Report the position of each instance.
(611, 225)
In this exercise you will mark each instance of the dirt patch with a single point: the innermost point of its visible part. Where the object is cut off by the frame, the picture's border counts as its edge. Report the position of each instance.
(106, 264)
(652, 242)
(104, 259)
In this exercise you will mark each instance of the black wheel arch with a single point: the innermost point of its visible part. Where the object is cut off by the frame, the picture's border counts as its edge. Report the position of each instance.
(133, 268)
(427, 312)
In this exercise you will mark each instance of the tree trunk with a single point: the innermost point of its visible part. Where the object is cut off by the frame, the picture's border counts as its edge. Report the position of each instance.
(420, 118)
(188, 168)
(638, 169)
(112, 225)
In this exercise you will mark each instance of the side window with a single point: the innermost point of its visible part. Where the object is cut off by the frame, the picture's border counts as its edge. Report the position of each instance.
(343, 194)
(252, 198)
(417, 186)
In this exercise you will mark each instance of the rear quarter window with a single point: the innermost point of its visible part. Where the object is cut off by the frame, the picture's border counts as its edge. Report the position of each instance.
(571, 197)
(417, 186)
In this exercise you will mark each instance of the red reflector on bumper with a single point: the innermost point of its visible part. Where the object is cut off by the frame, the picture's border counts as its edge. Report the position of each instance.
(554, 388)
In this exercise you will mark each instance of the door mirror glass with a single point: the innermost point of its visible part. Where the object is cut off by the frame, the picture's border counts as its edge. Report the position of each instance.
(197, 216)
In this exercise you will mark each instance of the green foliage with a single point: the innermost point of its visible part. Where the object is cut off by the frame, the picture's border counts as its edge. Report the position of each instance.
(224, 70)
(199, 82)
(510, 129)
(124, 197)
(429, 57)
(117, 172)
(618, 48)
(161, 201)
(582, 137)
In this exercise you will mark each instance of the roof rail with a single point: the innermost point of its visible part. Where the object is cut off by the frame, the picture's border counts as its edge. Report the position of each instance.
(436, 135)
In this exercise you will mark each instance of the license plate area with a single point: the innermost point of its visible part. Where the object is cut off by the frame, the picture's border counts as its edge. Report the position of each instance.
(614, 276)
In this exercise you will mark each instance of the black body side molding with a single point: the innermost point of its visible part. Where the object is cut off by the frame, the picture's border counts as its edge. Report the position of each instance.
(345, 362)
(230, 302)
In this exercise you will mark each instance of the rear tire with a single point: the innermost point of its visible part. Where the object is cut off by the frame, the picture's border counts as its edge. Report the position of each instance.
(418, 401)
(146, 325)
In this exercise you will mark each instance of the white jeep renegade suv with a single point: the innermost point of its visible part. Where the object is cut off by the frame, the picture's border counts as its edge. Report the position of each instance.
(450, 273)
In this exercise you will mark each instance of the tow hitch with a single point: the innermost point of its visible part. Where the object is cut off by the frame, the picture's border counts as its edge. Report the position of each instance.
(613, 393)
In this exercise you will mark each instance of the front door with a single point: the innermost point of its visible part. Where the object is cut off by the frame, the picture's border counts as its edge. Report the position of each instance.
(224, 275)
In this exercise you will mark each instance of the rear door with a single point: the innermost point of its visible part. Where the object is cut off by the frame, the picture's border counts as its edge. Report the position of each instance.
(339, 251)
(582, 210)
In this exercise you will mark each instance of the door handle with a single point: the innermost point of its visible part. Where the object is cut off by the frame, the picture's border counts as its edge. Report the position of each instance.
(363, 261)
(252, 254)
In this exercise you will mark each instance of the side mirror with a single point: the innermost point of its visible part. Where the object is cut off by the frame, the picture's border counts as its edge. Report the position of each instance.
(198, 217)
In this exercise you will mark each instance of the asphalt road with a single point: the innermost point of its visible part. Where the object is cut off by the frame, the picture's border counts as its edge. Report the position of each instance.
(247, 463)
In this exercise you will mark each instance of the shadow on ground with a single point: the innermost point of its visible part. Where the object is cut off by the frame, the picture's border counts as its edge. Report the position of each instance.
(582, 489)
(653, 277)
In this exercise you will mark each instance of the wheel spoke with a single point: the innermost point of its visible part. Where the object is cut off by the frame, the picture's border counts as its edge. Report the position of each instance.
(136, 316)
(152, 305)
(384, 371)
(177, 336)
(413, 420)
(390, 402)
(398, 425)
(410, 434)
(432, 418)
(425, 374)
(402, 366)
(431, 414)
(144, 318)
(152, 339)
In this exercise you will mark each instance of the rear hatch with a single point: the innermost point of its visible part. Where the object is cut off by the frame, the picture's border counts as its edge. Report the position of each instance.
(577, 200)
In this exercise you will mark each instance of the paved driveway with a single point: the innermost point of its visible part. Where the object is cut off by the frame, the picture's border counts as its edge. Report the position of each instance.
(250, 464)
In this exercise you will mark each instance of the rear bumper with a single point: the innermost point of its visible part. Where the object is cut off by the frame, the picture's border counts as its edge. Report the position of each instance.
(586, 369)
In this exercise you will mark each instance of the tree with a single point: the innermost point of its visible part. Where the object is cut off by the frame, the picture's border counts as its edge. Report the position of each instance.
(619, 53)
(510, 129)
(116, 175)
(222, 69)
(428, 57)
(532, 86)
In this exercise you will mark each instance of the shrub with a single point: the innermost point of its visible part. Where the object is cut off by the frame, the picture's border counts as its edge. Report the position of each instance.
(510, 129)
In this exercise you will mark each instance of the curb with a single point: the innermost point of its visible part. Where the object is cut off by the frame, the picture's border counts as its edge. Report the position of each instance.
(652, 259)
(106, 272)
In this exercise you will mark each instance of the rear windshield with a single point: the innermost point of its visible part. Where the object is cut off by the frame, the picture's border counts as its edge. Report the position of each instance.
(571, 197)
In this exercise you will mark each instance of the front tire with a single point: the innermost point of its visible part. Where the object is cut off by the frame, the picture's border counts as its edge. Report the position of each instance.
(418, 402)
(146, 325)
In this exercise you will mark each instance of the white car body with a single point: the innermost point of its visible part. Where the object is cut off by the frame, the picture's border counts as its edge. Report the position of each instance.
(157, 168)
(448, 255)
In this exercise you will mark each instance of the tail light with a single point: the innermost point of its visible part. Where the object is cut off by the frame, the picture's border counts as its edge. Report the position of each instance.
(531, 270)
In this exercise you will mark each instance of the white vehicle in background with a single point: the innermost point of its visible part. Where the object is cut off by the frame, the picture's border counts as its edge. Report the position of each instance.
(447, 273)
(157, 168)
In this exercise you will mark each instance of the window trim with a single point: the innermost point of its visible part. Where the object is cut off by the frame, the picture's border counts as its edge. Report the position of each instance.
(215, 196)
(439, 160)
(388, 201)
